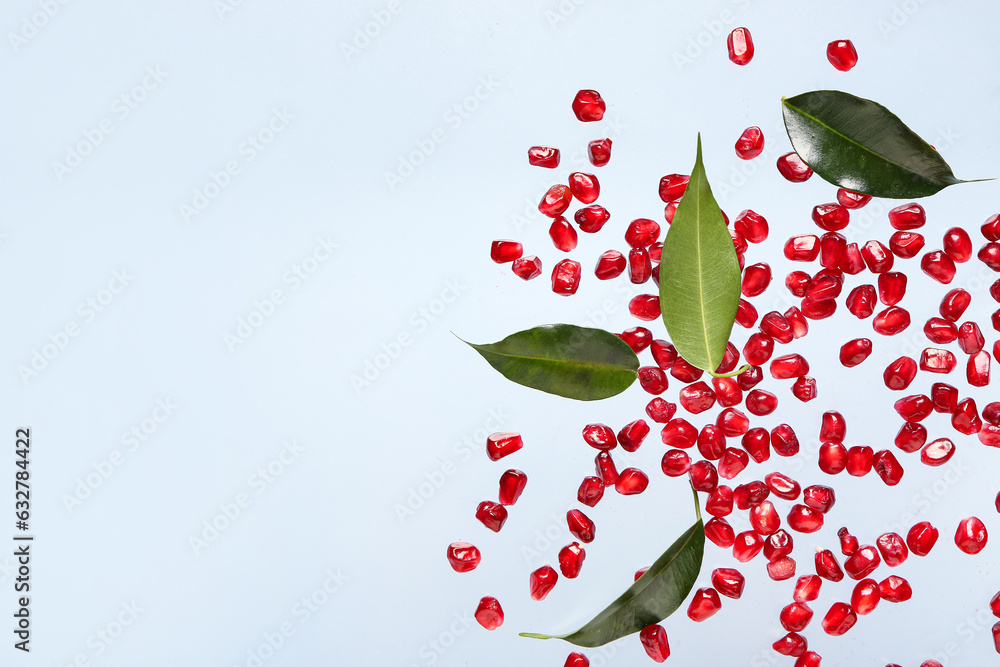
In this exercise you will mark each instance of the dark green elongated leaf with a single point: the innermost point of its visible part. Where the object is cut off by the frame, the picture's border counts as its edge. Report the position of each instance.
(654, 596)
(699, 275)
(566, 360)
(860, 145)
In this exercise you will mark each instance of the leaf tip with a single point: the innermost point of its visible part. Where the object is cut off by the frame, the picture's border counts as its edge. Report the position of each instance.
(534, 635)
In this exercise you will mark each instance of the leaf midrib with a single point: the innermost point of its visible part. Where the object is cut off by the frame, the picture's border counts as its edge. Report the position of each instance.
(555, 361)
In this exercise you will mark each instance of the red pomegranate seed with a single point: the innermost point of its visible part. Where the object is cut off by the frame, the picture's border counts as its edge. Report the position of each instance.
(711, 442)
(824, 287)
(935, 360)
(756, 278)
(734, 461)
(832, 458)
(599, 152)
(672, 187)
(991, 228)
(775, 324)
(727, 392)
(489, 614)
(853, 263)
(463, 557)
(752, 376)
(576, 660)
(555, 201)
(704, 476)
(760, 402)
(632, 434)
(746, 314)
(782, 485)
(740, 244)
(907, 217)
(684, 371)
(653, 380)
(606, 469)
(764, 518)
(862, 562)
(865, 597)
(591, 491)
(804, 388)
(996, 345)
(804, 519)
(542, 581)
(958, 245)
(747, 545)
(971, 535)
(802, 248)
(991, 412)
(527, 268)
(732, 422)
(720, 533)
(591, 218)
(750, 144)
(791, 166)
(848, 543)
(820, 498)
(563, 234)
(944, 397)
(877, 257)
(800, 327)
(989, 435)
(639, 267)
(906, 245)
(989, 255)
(668, 212)
(491, 515)
(966, 419)
(859, 461)
(543, 156)
(954, 303)
(580, 526)
(893, 549)
(781, 568)
(704, 604)
(720, 501)
(832, 247)
(839, 619)
(660, 411)
(899, 374)
(757, 442)
(831, 217)
(698, 397)
(861, 301)
(512, 484)
(850, 199)
(664, 354)
(891, 321)
(571, 560)
(887, 467)
(970, 338)
(978, 369)
(751, 225)
(938, 266)
(789, 366)
(679, 433)
(631, 481)
(499, 445)
(638, 573)
(793, 644)
(642, 233)
(645, 307)
(914, 408)
(599, 436)
(638, 338)
(502, 252)
(610, 264)
(728, 582)
(654, 641)
(938, 452)
(891, 287)
(842, 55)
(584, 187)
(675, 463)
(807, 588)
(588, 106)
(797, 282)
(729, 359)
(795, 616)
(750, 495)
(853, 352)
(778, 545)
(895, 589)
(827, 566)
(566, 277)
(740, 46)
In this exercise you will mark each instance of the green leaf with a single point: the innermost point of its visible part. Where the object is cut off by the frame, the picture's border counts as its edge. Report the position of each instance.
(652, 598)
(860, 145)
(566, 360)
(699, 276)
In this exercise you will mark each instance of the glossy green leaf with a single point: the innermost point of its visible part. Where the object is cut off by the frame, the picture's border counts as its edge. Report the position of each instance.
(860, 145)
(654, 596)
(566, 360)
(699, 275)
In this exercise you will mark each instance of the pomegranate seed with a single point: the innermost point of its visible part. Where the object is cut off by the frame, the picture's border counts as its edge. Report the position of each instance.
(807, 588)
(899, 374)
(793, 644)
(652, 379)
(555, 201)
(639, 267)
(911, 437)
(599, 152)
(862, 562)
(584, 187)
(808, 659)
(638, 573)
(859, 461)
(632, 434)
(711, 442)
(740, 244)
(679, 433)
(914, 408)
(891, 287)
(895, 589)
(491, 515)
(610, 264)
(654, 641)
(563, 234)
(803, 248)
(566, 277)
(606, 469)
(747, 545)
(704, 604)
(970, 338)
(891, 321)
(827, 566)
(853, 352)
(991, 412)
(850, 199)
(778, 545)
(958, 245)
(746, 314)
(757, 442)
(740, 46)
(795, 617)
(638, 338)
(571, 560)
(791, 166)
(775, 324)
(995, 290)
(966, 419)
(588, 106)
(664, 354)
(752, 376)
(543, 156)
(934, 360)
(734, 461)
(996, 345)
(727, 392)
(865, 597)
(704, 476)
(728, 582)
(861, 301)
(591, 491)
(645, 307)
(797, 282)
(750, 495)
(542, 581)
(660, 411)
(576, 660)
(764, 518)
(463, 557)
(853, 262)
(832, 458)
(642, 233)
(823, 288)
(892, 548)
(720, 533)
(938, 266)
(971, 535)
(489, 614)
(511, 485)
(906, 245)
(877, 257)
(591, 218)
(991, 228)
(944, 397)
(804, 388)
(499, 445)
(832, 247)
(789, 366)
(804, 519)
(760, 402)
(729, 359)
(599, 436)
(848, 543)
(720, 501)
(672, 187)
(907, 217)
(989, 435)
(887, 467)
(684, 371)
(675, 463)
(668, 212)
(800, 327)
(502, 252)
(938, 452)
(818, 497)
(631, 481)
(698, 397)
(732, 422)
(756, 278)
(783, 486)
(839, 619)
(989, 255)
(831, 217)
(781, 568)
(580, 526)
(751, 225)
(750, 144)
(842, 55)
(527, 268)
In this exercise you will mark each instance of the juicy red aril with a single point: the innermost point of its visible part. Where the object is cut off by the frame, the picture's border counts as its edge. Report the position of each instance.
(822, 288)
(797, 282)
(886, 466)
(638, 573)
(793, 644)
(848, 543)
(807, 588)
(760, 402)
(720, 533)
(944, 397)
(895, 589)
(861, 301)
(921, 538)
(555, 201)
(599, 436)
(954, 303)
(865, 597)
(588, 106)
(971, 535)
(599, 152)
(756, 278)
(606, 469)
(463, 557)
(543, 156)
(831, 217)
(991, 228)
(750, 144)
(571, 560)
(789, 366)
(542, 581)
(750, 495)
(675, 463)
(938, 266)
(679, 433)
(833, 427)
(991, 412)
(672, 187)
(891, 321)
(739, 244)
(729, 359)
(852, 263)
(877, 257)
(591, 218)
(489, 614)
(499, 445)
(639, 266)
(632, 435)
(591, 491)
(784, 441)
(751, 225)
(938, 452)
(734, 461)
(906, 245)
(989, 435)
(839, 619)
(720, 501)
(645, 307)
(491, 515)
(664, 354)
(970, 338)
(804, 519)
(512, 484)
(704, 604)
(832, 247)
(818, 309)
(746, 314)
(827, 566)
(818, 497)
(752, 376)
(502, 252)
(989, 255)
(958, 245)
(795, 617)
(698, 397)
(669, 210)
(585, 187)
(728, 582)
(892, 548)
(914, 408)
(704, 476)
(859, 461)
(610, 264)
(800, 327)
(966, 419)
(842, 54)
(891, 287)
(631, 481)
(853, 352)
(802, 248)
(832, 458)
(778, 545)
(638, 338)
(791, 166)
(563, 234)
(862, 562)
(809, 659)
(995, 605)
(934, 360)
(684, 371)
(576, 660)
(732, 422)
(899, 374)
(747, 545)
(642, 233)
(775, 324)
(804, 388)
(580, 526)
(652, 379)
(740, 46)
(660, 411)
(782, 485)
(851, 199)
(907, 217)
(764, 518)
(757, 442)
(566, 277)
(654, 641)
